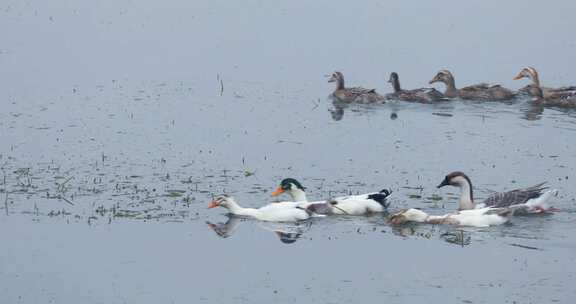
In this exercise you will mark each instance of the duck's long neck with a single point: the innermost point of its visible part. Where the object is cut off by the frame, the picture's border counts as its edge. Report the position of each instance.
(396, 85)
(236, 209)
(466, 196)
(535, 79)
(340, 83)
(298, 195)
(451, 90)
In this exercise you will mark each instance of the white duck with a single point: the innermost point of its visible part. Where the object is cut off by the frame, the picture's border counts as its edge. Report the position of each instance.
(345, 205)
(534, 198)
(288, 212)
(483, 217)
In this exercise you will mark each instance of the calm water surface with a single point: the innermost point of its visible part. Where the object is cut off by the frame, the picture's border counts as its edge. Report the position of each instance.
(120, 120)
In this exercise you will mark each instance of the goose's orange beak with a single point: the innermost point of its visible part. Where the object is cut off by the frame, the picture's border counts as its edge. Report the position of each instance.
(213, 204)
(278, 191)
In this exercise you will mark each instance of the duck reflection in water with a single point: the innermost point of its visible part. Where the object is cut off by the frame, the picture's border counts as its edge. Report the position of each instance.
(338, 108)
(337, 111)
(532, 111)
(286, 233)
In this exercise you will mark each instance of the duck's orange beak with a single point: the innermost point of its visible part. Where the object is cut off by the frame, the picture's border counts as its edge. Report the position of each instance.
(278, 191)
(519, 76)
(213, 204)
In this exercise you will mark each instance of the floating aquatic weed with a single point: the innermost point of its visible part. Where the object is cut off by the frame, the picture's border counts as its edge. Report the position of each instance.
(442, 114)
(458, 238)
(175, 193)
(414, 196)
(127, 213)
(53, 213)
(525, 247)
(435, 197)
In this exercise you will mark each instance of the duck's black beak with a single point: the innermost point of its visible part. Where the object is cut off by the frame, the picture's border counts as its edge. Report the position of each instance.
(445, 182)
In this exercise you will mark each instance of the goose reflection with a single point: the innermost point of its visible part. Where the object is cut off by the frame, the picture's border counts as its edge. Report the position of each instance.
(287, 233)
(453, 236)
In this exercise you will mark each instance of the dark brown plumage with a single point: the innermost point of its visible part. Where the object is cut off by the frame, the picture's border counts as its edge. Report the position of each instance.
(423, 95)
(547, 92)
(354, 94)
(565, 100)
(475, 92)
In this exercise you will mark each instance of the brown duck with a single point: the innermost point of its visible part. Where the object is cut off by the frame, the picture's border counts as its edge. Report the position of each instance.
(423, 95)
(354, 94)
(547, 92)
(480, 91)
(565, 100)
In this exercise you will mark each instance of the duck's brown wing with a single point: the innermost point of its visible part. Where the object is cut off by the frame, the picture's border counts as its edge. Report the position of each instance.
(560, 94)
(361, 90)
(371, 97)
(422, 95)
(498, 92)
(514, 197)
(486, 91)
(429, 94)
(359, 95)
(565, 101)
(476, 87)
(479, 91)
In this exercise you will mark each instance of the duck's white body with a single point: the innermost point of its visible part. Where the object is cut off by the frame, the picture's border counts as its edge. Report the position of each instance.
(356, 204)
(345, 205)
(483, 217)
(275, 212)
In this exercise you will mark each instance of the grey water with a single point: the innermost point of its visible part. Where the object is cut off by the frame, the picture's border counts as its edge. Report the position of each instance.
(119, 121)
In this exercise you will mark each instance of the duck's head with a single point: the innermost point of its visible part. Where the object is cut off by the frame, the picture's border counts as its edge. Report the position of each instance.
(527, 72)
(336, 77)
(290, 186)
(456, 179)
(443, 76)
(223, 200)
(408, 215)
(393, 78)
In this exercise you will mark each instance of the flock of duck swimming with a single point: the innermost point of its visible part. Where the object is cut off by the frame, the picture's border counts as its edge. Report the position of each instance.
(497, 209)
(546, 96)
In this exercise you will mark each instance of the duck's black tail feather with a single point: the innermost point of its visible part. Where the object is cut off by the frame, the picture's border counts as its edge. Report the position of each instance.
(380, 197)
